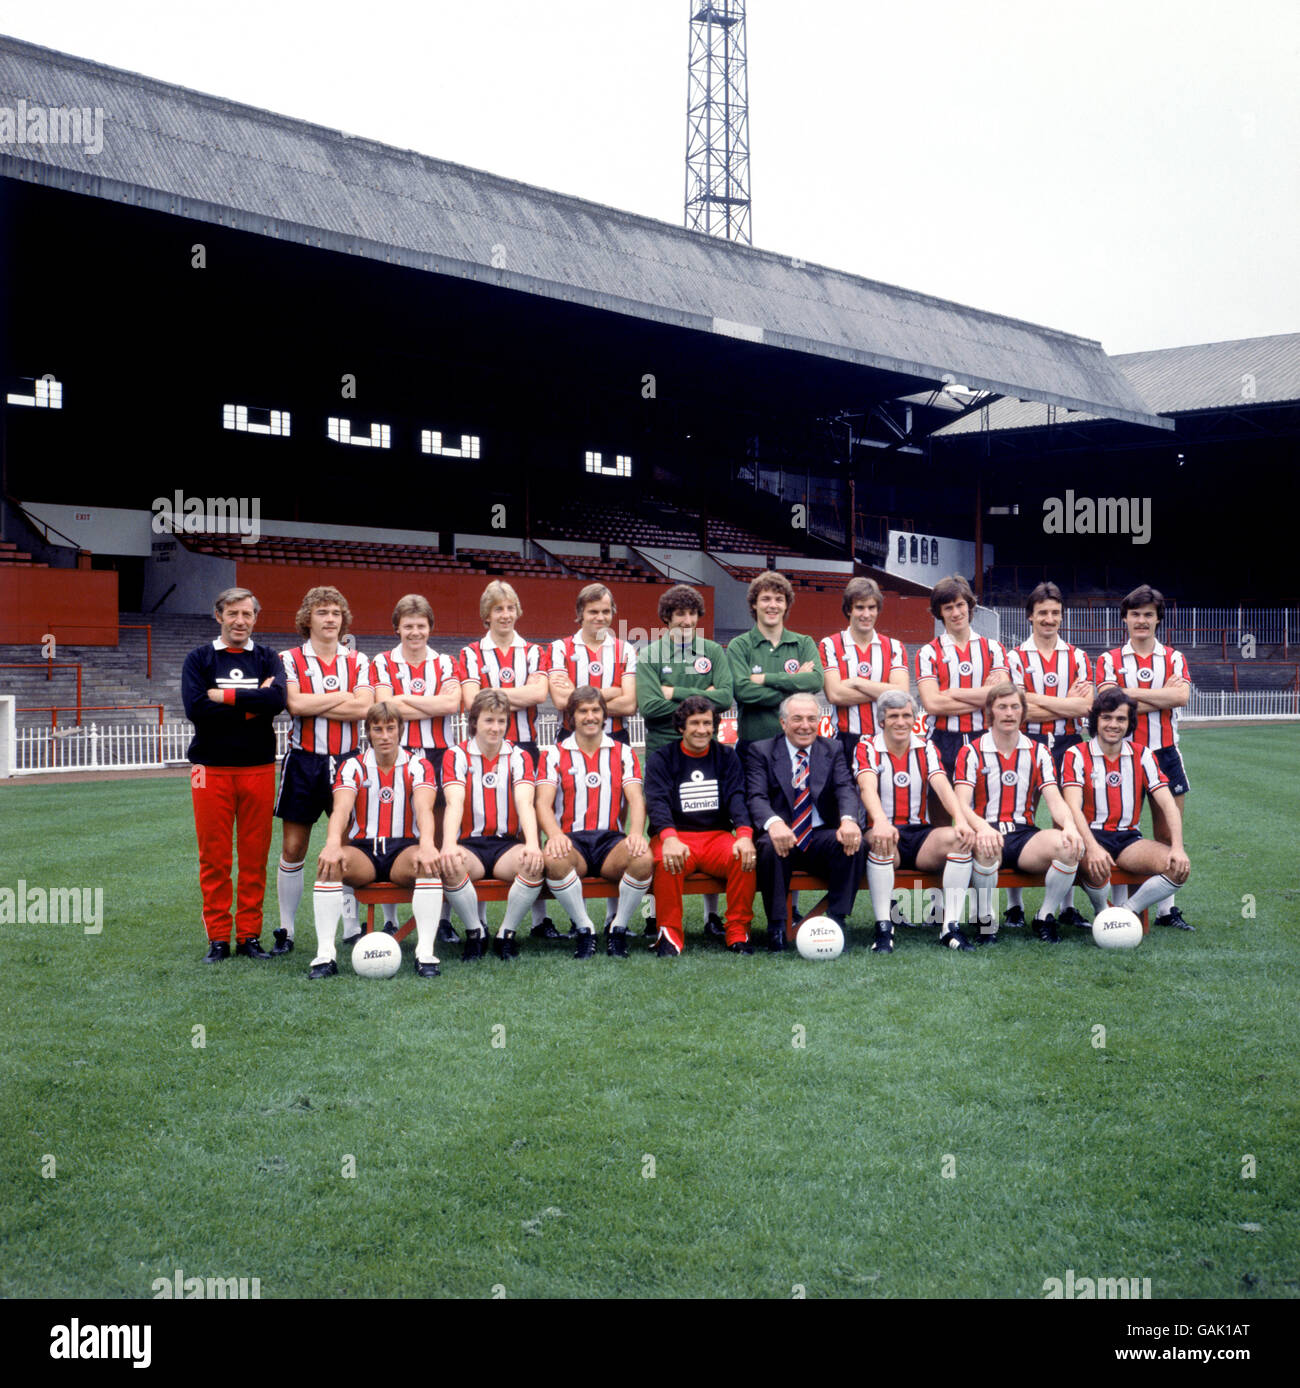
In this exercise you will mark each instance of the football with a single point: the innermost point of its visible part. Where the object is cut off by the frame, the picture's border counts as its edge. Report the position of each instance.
(819, 938)
(376, 955)
(1117, 928)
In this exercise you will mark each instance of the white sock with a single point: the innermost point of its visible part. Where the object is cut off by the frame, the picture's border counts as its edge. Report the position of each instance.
(426, 904)
(1097, 895)
(611, 910)
(390, 914)
(648, 905)
(1059, 882)
(630, 891)
(710, 903)
(957, 872)
(521, 896)
(351, 922)
(1154, 889)
(985, 882)
(1119, 893)
(569, 894)
(539, 911)
(1016, 897)
(288, 892)
(1164, 907)
(880, 882)
(327, 907)
(465, 899)
(482, 915)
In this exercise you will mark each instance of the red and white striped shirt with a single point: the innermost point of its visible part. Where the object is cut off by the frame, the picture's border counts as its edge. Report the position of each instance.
(347, 672)
(904, 781)
(589, 789)
(385, 805)
(1007, 786)
(1052, 675)
(1138, 674)
(959, 667)
(602, 669)
(489, 787)
(875, 661)
(488, 666)
(1112, 790)
(434, 675)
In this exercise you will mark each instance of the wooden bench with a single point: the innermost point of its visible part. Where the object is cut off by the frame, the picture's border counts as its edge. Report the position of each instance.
(698, 884)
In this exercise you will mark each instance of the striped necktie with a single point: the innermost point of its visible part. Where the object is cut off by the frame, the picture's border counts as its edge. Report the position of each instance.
(803, 808)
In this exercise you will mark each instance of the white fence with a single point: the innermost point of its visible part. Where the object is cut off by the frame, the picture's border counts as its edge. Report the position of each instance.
(1244, 703)
(1186, 628)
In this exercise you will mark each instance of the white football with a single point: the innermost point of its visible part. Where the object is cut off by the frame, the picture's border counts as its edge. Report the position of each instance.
(376, 955)
(1117, 928)
(819, 938)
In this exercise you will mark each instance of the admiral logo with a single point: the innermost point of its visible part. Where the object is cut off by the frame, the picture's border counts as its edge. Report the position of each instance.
(236, 674)
(756, 670)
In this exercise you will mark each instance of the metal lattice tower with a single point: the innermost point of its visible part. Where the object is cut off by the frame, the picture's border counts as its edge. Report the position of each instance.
(717, 122)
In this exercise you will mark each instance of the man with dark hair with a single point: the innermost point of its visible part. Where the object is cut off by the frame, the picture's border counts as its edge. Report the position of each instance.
(594, 657)
(1104, 781)
(233, 689)
(1156, 679)
(769, 663)
(681, 664)
(1057, 685)
(695, 794)
(803, 803)
(861, 665)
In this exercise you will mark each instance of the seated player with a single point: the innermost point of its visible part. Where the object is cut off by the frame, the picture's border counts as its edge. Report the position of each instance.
(1000, 776)
(587, 781)
(424, 687)
(896, 771)
(861, 665)
(1104, 781)
(504, 660)
(1058, 686)
(695, 792)
(681, 664)
(328, 693)
(1155, 677)
(803, 805)
(595, 658)
(955, 671)
(490, 825)
(380, 830)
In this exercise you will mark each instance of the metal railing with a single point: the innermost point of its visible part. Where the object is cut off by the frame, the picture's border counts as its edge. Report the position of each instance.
(1185, 628)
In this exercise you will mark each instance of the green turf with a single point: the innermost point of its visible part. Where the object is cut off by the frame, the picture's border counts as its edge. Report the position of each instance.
(527, 1166)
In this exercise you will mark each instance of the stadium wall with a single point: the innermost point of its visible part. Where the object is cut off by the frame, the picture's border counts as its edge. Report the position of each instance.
(77, 606)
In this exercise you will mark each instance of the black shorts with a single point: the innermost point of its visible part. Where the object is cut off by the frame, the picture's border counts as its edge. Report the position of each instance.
(595, 845)
(382, 853)
(1013, 845)
(948, 745)
(1170, 761)
(1060, 746)
(307, 785)
(489, 850)
(1115, 841)
(434, 756)
(910, 839)
(534, 753)
(621, 735)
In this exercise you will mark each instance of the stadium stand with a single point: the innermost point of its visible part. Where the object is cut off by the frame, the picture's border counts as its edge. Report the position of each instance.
(10, 554)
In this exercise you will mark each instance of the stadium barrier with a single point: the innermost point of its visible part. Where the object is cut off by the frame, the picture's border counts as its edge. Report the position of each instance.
(1184, 628)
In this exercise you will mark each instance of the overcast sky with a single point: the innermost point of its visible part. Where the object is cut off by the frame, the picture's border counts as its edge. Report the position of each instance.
(1127, 171)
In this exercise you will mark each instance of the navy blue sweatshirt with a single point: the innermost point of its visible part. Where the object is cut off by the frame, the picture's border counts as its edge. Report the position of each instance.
(698, 794)
(238, 732)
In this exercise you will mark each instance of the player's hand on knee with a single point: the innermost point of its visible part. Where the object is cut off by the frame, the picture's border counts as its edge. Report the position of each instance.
(558, 847)
(329, 866)
(1180, 865)
(531, 861)
(988, 847)
(453, 862)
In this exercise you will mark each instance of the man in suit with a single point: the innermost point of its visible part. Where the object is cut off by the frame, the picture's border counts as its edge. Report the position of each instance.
(805, 811)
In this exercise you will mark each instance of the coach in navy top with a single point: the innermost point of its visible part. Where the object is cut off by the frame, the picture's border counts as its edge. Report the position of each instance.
(233, 689)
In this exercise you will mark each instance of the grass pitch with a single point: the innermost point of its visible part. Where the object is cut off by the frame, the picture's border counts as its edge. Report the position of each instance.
(922, 1125)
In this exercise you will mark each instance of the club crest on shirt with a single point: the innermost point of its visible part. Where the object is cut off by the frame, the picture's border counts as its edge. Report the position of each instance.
(902, 779)
(1009, 778)
(593, 779)
(417, 685)
(507, 675)
(703, 665)
(593, 668)
(792, 666)
(1146, 676)
(489, 779)
(965, 668)
(330, 682)
(864, 669)
(1113, 778)
(386, 794)
(1050, 679)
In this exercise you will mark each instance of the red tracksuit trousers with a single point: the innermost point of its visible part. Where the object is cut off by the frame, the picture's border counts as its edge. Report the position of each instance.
(232, 805)
(712, 852)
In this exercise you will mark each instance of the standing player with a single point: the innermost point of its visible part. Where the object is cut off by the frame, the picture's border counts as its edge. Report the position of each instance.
(424, 687)
(680, 665)
(380, 830)
(1057, 684)
(896, 770)
(586, 782)
(955, 671)
(1000, 776)
(769, 663)
(695, 791)
(504, 660)
(1156, 679)
(1105, 779)
(328, 694)
(595, 658)
(490, 825)
(232, 690)
(861, 665)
